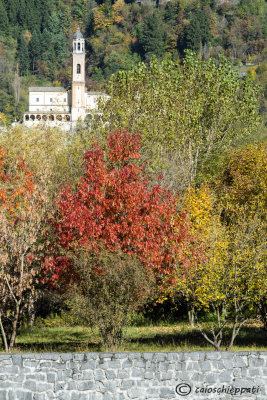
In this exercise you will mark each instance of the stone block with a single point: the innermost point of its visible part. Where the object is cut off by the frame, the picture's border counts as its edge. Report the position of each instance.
(87, 374)
(91, 356)
(78, 396)
(167, 393)
(152, 392)
(21, 395)
(209, 378)
(256, 362)
(127, 364)
(228, 364)
(91, 364)
(86, 385)
(139, 363)
(122, 374)
(240, 361)
(78, 357)
(39, 396)
(71, 385)
(44, 387)
(149, 374)
(165, 376)
(225, 377)
(30, 384)
(204, 366)
(137, 373)
(134, 356)
(127, 384)
(99, 375)
(66, 356)
(226, 355)
(160, 356)
(10, 385)
(51, 377)
(148, 356)
(17, 360)
(212, 355)
(135, 393)
(111, 374)
(111, 386)
(95, 396)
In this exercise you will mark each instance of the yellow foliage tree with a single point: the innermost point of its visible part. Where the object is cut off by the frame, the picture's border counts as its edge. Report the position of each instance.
(222, 267)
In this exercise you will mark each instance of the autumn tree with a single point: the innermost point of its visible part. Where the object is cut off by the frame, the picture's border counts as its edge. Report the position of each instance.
(186, 113)
(113, 205)
(113, 202)
(222, 267)
(22, 212)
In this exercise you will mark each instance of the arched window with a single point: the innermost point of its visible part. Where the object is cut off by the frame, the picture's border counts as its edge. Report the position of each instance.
(78, 68)
(79, 46)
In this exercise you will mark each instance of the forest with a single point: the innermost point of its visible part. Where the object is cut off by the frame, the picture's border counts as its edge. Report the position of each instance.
(153, 210)
(36, 37)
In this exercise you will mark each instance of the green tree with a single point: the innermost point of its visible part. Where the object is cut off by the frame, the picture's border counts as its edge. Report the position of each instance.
(106, 300)
(35, 48)
(78, 8)
(4, 23)
(23, 56)
(186, 113)
(153, 36)
(197, 33)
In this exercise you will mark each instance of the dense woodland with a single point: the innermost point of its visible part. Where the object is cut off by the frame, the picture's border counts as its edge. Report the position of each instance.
(36, 35)
(158, 199)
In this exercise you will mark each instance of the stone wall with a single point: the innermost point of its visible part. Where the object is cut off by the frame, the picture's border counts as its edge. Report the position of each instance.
(119, 376)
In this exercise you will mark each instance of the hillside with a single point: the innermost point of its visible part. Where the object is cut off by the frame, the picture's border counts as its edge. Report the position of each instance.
(35, 39)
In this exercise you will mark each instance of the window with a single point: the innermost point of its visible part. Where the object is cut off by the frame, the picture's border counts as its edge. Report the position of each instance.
(79, 46)
(51, 99)
(78, 68)
(37, 99)
(65, 100)
(74, 46)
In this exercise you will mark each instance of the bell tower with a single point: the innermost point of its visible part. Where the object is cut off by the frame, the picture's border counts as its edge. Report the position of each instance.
(78, 77)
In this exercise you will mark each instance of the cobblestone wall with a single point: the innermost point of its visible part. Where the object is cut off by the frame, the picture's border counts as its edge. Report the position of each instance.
(119, 376)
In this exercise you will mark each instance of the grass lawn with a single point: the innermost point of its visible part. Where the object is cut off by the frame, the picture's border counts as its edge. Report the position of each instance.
(180, 337)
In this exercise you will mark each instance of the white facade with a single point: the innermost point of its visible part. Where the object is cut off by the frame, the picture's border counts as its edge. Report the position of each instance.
(55, 106)
(46, 100)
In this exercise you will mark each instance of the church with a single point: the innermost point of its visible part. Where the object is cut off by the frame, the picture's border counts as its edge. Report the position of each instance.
(55, 106)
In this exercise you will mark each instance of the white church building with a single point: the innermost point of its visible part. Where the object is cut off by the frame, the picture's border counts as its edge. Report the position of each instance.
(55, 106)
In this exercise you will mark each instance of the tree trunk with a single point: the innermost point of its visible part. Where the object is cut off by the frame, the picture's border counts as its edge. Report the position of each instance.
(31, 311)
(191, 317)
(3, 335)
(15, 326)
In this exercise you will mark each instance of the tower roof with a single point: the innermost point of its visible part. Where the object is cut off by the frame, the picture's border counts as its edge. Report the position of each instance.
(78, 34)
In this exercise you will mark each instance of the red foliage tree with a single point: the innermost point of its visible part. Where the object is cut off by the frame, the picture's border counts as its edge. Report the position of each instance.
(114, 204)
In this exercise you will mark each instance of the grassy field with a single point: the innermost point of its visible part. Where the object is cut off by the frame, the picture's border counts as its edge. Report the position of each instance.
(180, 337)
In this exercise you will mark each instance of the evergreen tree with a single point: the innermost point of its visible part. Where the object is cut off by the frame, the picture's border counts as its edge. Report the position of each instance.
(153, 36)
(197, 33)
(35, 48)
(171, 11)
(23, 56)
(4, 24)
(21, 18)
(46, 8)
(78, 9)
(12, 7)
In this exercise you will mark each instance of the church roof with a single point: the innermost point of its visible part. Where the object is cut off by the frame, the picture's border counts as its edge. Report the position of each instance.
(78, 34)
(47, 89)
